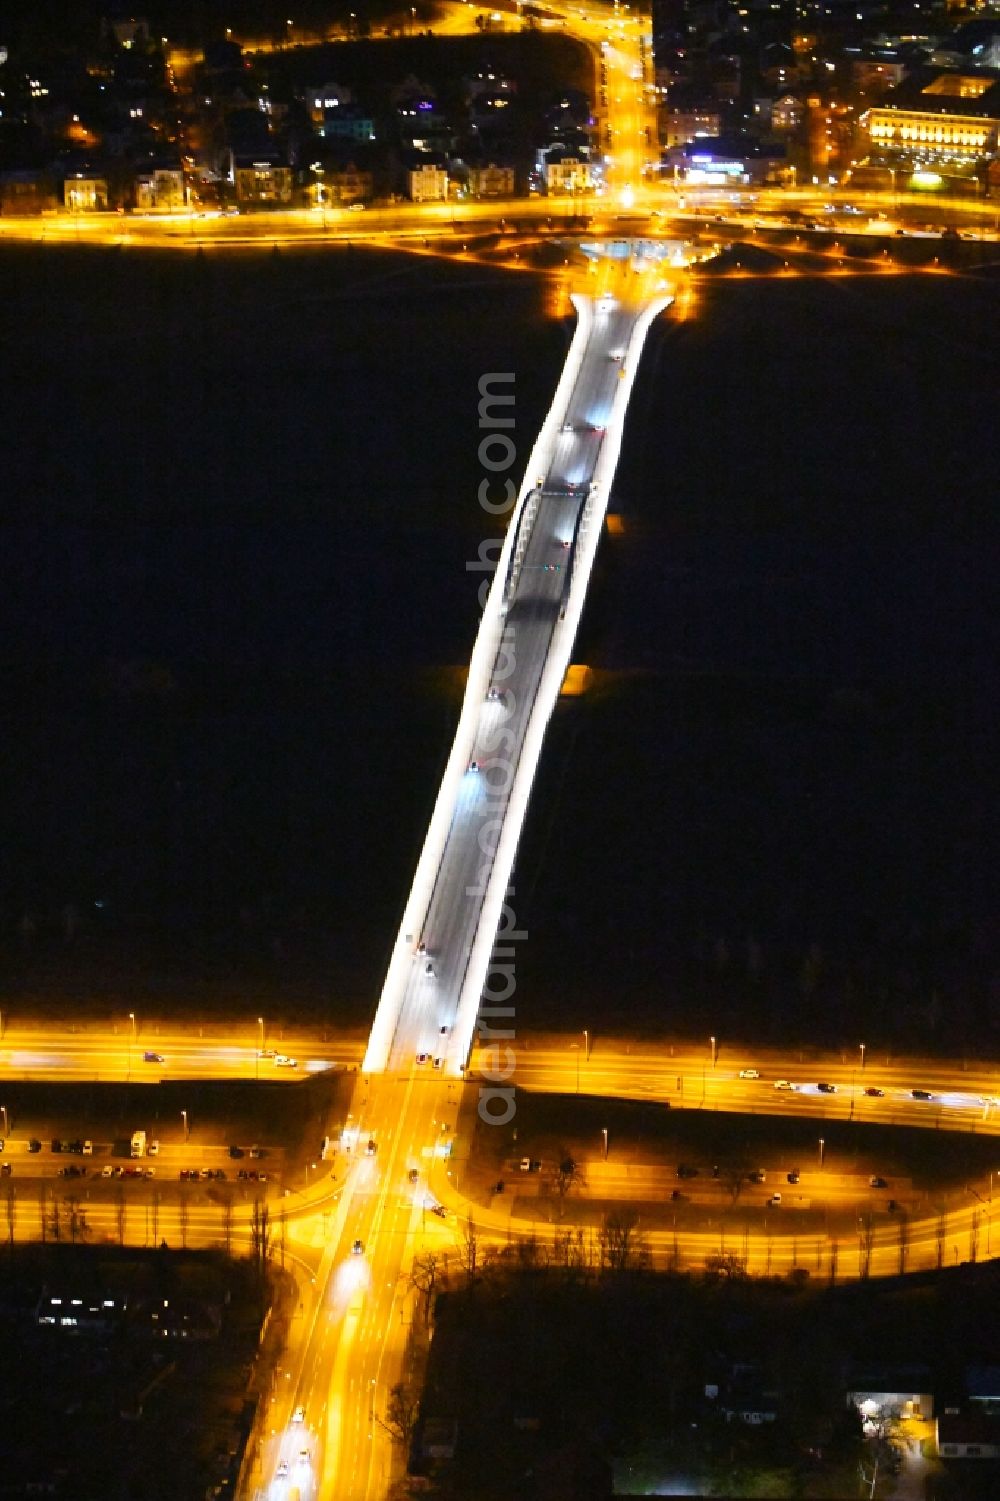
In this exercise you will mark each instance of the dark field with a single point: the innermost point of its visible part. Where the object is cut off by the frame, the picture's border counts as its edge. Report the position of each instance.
(240, 492)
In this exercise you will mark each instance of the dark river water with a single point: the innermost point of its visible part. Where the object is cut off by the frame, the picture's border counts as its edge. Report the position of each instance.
(239, 498)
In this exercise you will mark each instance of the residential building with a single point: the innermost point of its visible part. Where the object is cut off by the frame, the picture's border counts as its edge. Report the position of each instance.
(566, 173)
(787, 114)
(491, 181)
(968, 1436)
(94, 1314)
(84, 194)
(883, 1393)
(26, 190)
(348, 184)
(261, 181)
(680, 123)
(161, 190)
(347, 122)
(427, 182)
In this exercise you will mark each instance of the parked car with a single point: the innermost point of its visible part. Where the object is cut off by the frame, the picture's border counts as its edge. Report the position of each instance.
(876, 1182)
(34, 1145)
(684, 1171)
(793, 1176)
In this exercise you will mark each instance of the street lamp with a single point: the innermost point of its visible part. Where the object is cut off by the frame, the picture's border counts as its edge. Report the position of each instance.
(131, 1040)
(604, 1133)
(260, 1024)
(714, 1050)
(6, 1129)
(822, 1150)
(862, 1047)
(575, 1046)
(586, 1042)
(184, 1117)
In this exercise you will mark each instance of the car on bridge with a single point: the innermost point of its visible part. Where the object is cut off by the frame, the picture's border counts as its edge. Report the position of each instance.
(783, 1084)
(749, 1073)
(827, 1088)
(358, 1248)
(921, 1094)
(874, 1093)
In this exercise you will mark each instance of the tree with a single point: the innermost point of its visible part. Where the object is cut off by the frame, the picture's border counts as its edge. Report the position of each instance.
(621, 1245)
(77, 1219)
(468, 1250)
(941, 1235)
(567, 1176)
(121, 1213)
(227, 1223)
(424, 1275)
(866, 1240)
(725, 1266)
(11, 1209)
(401, 1412)
(260, 1236)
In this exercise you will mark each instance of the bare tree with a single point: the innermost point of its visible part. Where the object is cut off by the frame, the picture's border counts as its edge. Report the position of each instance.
(725, 1265)
(735, 1177)
(834, 1257)
(227, 1224)
(866, 1240)
(121, 1213)
(468, 1250)
(77, 1219)
(424, 1274)
(43, 1212)
(567, 1176)
(622, 1247)
(183, 1215)
(155, 1216)
(902, 1240)
(941, 1235)
(974, 1235)
(401, 1412)
(260, 1236)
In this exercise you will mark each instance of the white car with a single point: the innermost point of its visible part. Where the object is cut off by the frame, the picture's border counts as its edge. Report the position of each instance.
(783, 1084)
(282, 1469)
(299, 1415)
(749, 1073)
(153, 1150)
(283, 1061)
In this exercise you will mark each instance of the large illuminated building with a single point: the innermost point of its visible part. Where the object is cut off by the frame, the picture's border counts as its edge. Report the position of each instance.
(936, 124)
